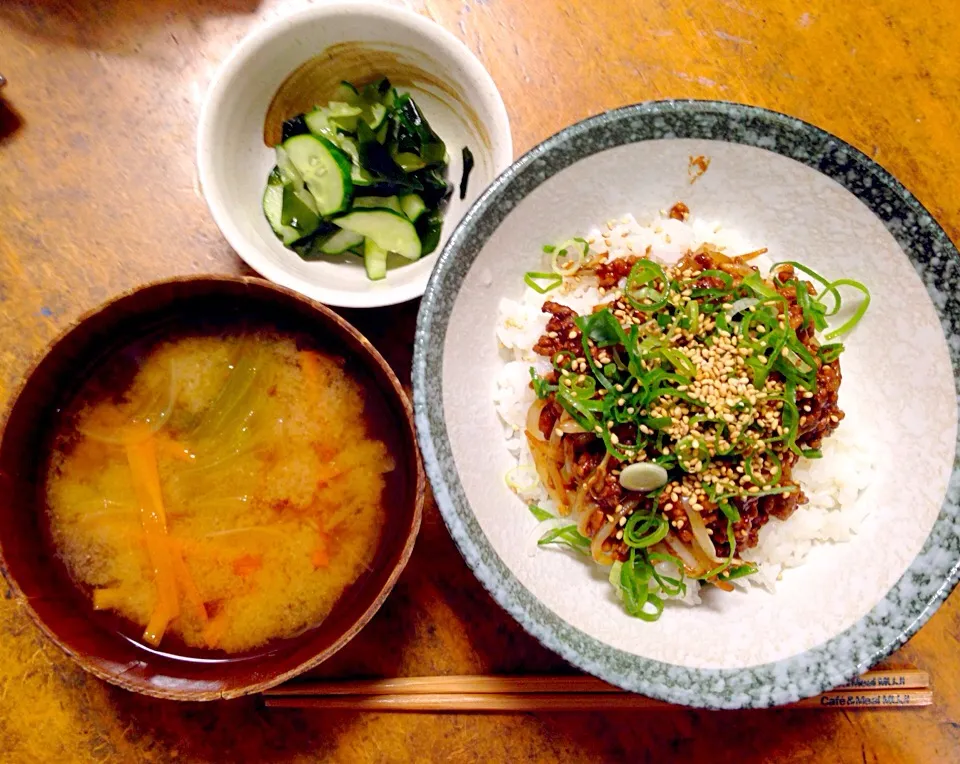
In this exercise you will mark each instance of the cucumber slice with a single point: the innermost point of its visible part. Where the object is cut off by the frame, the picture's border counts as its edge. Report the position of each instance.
(408, 161)
(325, 170)
(344, 116)
(340, 242)
(387, 229)
(298, 211)
(289, 175)
(347, 93)
(374, 260)
(374, 115)
(318, 123)
(428, 229)
(349, 147)
(273, 211)
(413, 206)
(376, 90)
(377, 203)
(358, 176)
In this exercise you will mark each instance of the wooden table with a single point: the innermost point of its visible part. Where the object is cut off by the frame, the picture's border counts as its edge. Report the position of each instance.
(98, 193)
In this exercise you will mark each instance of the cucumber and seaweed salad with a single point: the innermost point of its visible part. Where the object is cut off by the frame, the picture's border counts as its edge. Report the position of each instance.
(365, 174)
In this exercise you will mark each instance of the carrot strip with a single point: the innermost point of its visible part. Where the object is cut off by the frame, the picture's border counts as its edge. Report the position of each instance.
(328, 472)
(321, 552)
(108, 598)
(311, 376)
(142, 458)
(175, 450)
(246, 564)
(214, 630)
(188, 586)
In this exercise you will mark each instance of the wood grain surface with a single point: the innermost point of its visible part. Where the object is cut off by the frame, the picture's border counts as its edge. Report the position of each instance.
(98, 193)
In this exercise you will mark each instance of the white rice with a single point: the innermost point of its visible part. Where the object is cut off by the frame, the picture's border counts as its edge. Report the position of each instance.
(832, 484)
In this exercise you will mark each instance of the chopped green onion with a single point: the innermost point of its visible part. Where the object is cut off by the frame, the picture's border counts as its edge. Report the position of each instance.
(643, 530)
(578, 409)
(858, 313)
(602, 328)
(638, 289)
(575, 251)
(672, 587)
(739, 571)
(580, 386)
(690, 451)
(775, 472)
(634, 587)
(567, 536)
(759, 287)
(680, 362)
(531, 279)
(540, 514)
(828, 287)
(726, 563)
(541, 387)
(830, 352)
(560, 356)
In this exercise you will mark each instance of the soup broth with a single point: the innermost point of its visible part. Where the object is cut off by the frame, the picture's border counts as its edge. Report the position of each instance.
(220, 489)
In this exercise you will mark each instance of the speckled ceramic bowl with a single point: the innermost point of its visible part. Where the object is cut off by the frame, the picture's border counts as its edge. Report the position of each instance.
(808, 196)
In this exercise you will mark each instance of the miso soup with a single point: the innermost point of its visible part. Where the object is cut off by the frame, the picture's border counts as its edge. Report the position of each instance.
(218, 489)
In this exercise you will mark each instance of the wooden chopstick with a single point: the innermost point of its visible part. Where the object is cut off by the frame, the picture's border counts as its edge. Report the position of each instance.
(470, 685)
(892, 679)
(890, 688)
(576, 701)
(888, 679)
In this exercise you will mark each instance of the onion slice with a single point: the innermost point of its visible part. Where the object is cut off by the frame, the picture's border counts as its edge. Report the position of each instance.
(681, 550)
(596, 545)
(744, 303)
(699, 530)
(533, 419)
(548, 471)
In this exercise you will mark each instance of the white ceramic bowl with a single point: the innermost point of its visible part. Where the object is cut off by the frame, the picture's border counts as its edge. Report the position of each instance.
(234, 160)
(807, 196)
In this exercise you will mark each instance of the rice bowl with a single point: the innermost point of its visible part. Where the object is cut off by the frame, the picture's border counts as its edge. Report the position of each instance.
(809, 197)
